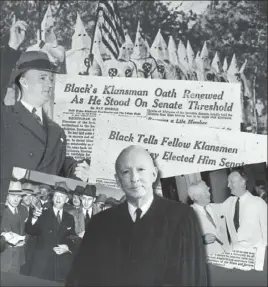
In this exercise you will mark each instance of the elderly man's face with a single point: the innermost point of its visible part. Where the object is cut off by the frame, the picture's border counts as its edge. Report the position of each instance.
(203, 194)
(14, 199)
(39, 83)
(59, 199)
(136, 174)
(236, 183)
(87, 201)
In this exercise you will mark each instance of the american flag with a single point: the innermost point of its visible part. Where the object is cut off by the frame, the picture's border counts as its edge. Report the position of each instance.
(110, 25)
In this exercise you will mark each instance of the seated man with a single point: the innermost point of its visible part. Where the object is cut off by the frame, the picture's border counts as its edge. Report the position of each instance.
(145, 241)
(212, 222)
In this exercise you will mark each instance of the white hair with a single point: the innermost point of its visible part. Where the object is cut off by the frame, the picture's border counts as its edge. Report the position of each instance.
(193, 189)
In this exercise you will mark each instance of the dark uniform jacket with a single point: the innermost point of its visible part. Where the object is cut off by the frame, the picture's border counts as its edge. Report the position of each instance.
(25, 142)
(164, 248)
(46, 263)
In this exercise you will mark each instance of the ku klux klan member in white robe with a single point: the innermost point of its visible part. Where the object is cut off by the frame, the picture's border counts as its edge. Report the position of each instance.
(225, 65)
(159, 51)
(123, 66)
(100, 55)
(191, 61)
(77, 56)
(203, 64)
(146, 64)
(217, 69)
(49, 44)
(173, 58)
(183, 61)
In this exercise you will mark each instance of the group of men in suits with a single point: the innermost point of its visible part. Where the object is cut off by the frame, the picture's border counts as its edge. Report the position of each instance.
(239, 222)
(29, 138)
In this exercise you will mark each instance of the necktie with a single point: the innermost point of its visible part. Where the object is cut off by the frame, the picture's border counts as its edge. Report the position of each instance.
(138, 214)
(58, 217)
(87, 219)
(209, 217)
(36, 116)
(16, 211)
(236, 215)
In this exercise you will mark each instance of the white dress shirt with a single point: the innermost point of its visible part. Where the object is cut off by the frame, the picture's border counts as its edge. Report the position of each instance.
(56, 212)
(89, 212)
(30, 109)
(207, 227)
(144, 208)
(252, 230)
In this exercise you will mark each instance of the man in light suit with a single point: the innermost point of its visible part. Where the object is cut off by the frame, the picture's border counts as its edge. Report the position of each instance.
(211, 220)
(246, 215)
(29, 138)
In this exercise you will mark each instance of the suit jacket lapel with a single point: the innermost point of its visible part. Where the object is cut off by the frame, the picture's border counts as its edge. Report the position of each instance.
(27, 121)
(52, 140)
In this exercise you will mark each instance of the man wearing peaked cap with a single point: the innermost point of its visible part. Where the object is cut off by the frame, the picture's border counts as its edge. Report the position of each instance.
(13, 220)
(55, 230)
(30, 138)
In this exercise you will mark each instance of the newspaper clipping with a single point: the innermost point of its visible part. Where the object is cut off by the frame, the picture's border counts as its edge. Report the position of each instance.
(133, 143)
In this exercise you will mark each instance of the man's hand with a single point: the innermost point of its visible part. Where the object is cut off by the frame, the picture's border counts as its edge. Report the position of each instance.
(37, 213)
(61, 249)
(8, 235)
(209, 238)
(17, 33)
(20, 243)
(82, 171)
(81, 234)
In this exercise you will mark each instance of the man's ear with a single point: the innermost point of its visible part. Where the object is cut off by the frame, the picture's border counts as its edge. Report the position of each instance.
(23, 82)
(155, 173)
(94, 199)
(117, 180)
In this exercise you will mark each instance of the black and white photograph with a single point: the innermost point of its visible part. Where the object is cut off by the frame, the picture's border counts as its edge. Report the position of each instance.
(45, 217)
(133, 143)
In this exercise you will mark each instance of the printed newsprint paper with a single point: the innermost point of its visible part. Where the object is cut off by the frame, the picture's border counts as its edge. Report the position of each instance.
(79, 99)
(175, 149)
(242, 248)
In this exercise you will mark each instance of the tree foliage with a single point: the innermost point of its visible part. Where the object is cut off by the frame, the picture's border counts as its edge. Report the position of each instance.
(229, 27)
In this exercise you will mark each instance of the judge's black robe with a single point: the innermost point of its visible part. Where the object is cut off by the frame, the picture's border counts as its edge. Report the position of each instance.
(164, 248)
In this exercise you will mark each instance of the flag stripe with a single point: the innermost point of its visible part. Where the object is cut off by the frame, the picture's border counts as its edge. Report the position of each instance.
(110, 37)
(110, 25)
(109, 47)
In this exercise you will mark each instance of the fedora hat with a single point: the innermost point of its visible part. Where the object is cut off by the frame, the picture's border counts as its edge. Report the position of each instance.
(101, 198)
(89, 190)
(15, 188)
(78, 190)
(62, 187)
(31, 60)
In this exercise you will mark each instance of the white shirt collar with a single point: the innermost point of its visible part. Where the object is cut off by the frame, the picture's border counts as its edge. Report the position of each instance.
(244, 196)
(30, 108)
(12, 209)
(144, 208)
(89, 211)
(56, 211)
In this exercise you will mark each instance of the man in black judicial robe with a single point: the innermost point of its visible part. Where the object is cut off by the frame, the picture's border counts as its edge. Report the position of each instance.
(145, 241)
